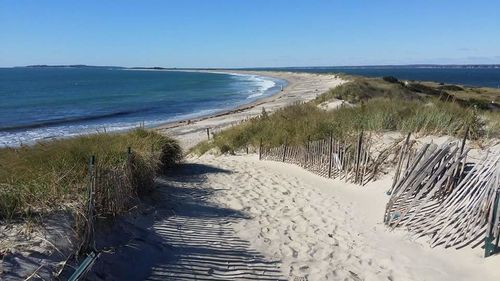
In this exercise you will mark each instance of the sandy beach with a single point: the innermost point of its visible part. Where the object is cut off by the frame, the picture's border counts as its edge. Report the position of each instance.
(233, 217)
(238, 218)
(250, 140)
(301, 87)
(329, 230)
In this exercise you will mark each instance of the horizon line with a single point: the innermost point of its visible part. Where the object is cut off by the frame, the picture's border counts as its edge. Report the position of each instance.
(262, 67)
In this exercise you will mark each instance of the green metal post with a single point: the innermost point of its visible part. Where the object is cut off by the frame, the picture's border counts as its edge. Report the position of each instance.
(489, 246)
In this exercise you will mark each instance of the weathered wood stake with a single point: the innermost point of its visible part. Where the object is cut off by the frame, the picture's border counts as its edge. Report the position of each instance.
(330, 157)
(284, 149)
(489, 246)
(260, 149)
(358, 156)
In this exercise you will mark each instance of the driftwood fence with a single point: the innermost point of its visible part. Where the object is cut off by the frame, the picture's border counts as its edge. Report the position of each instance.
(332, 158)
(437, 193)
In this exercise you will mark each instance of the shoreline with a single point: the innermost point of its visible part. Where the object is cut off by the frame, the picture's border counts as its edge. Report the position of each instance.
(270, 87)
(173, 124)
(286, 77)
(300, 87)
(291, 215)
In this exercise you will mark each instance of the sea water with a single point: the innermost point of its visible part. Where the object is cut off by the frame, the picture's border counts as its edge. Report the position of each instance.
(38, 103)
(476, 76)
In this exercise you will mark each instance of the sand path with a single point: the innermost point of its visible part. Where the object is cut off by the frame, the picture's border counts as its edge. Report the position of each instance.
(322, 229)
(238, 218)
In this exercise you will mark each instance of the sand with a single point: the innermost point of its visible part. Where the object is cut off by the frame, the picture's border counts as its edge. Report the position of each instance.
(238, 218)
(38, 248)
(42, 252)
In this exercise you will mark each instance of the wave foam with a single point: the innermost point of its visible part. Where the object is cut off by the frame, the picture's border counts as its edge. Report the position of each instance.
(263, 85)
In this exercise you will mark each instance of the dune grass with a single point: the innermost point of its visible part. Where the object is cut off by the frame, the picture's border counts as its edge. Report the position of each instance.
(362, 89)
(491, 122)
(379, 107)
(53, 174)
(297, 123)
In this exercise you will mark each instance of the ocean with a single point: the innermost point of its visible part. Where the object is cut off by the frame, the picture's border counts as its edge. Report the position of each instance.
(39, 103)
(476, 76)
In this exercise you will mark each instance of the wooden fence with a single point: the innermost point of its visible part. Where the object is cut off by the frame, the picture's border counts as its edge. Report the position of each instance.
(435, 191)
(109, 192)
(440, 195)
(332, 158)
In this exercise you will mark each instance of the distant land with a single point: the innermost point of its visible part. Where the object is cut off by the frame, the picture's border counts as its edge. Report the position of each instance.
(287, 67)
(68, 65)
(472, 75)
(387, 66)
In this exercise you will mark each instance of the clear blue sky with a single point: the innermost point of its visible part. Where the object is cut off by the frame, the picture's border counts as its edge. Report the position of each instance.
(238, 33)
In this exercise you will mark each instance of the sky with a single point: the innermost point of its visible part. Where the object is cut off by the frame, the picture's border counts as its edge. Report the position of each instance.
(251, 33)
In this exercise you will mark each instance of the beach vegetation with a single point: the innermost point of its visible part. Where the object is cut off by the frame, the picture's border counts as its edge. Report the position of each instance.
(51, 175)
(378, 107)
(390, 79)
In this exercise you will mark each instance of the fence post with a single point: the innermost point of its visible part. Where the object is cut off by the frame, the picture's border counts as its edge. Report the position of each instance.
(260, 149)
(307, 152)
(208, 133)
(489, 246)
(464, 139)
(330, 156)
(89, 237)
(460, 169)
(284, 149)
(358, 156)
(399, 167)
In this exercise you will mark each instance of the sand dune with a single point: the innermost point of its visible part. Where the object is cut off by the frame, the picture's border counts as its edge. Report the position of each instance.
(309, 227)
(238, 218)
(323, 229)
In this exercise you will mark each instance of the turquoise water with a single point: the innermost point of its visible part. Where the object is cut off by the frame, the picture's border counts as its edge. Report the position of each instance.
(42, 103)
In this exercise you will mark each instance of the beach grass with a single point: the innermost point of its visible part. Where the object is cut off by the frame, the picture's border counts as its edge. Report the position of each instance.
(364, 88)
(54, 174)
(379, 107)
(361, 89)
(491, 122)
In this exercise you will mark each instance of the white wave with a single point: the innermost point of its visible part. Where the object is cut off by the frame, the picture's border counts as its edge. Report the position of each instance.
(31, 136)
(255, 95)
(263, 84)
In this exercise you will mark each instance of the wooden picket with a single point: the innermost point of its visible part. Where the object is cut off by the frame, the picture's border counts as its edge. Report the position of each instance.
(435, 192)
(331, 158)
(435, 197)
